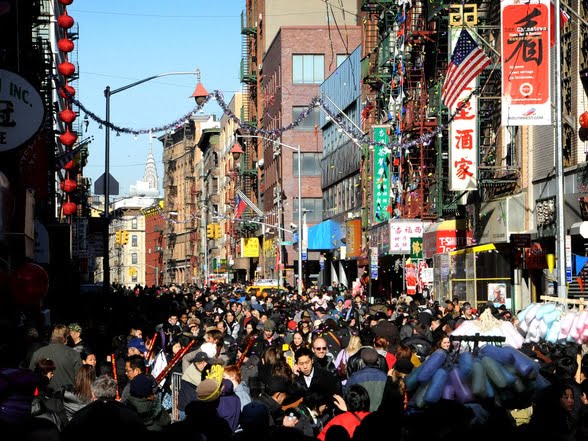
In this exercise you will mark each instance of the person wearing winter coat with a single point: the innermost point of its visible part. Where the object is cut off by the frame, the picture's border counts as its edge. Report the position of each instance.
(229, 406)
(147, 406)
(371, 377)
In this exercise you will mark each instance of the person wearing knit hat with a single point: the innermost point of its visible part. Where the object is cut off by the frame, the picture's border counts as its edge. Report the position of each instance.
(208, 390)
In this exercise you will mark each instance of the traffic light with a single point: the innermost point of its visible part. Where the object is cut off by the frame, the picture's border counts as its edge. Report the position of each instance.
(125, 237)
(217, 231)
(210, 231)
(117, 237)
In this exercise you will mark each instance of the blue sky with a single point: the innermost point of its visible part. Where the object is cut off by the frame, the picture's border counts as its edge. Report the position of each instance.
(124, 41)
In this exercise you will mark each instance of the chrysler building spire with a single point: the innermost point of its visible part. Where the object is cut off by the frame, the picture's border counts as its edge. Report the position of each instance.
(150, 168)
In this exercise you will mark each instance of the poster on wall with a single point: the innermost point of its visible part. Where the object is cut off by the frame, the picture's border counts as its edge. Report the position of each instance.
(497, 295)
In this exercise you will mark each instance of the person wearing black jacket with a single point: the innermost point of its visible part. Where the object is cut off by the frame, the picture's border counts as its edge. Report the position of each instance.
(310, 376)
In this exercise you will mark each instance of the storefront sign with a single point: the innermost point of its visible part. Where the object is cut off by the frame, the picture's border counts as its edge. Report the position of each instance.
(535, 257)
(525, 63)
(381, 175)
(401, 233)
(463, 135)
(353, 238)
(21, 110)
(249, 247)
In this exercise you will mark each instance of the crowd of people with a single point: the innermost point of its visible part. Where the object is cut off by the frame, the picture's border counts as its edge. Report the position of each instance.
(220, 364)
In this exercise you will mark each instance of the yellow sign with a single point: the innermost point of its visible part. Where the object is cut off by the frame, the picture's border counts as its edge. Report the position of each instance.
(268, 247)
(249, 247)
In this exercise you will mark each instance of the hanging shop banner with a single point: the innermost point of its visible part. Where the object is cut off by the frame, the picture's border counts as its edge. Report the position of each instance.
(416, 247)
(410, 277)
(353, 238)
(402, 232)
(249, 247)
(381, 176)
(374, 263)
(22, 112)
(526, 84)
(463, 136)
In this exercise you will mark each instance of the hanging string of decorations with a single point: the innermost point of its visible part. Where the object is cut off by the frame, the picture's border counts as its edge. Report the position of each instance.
(317, 102)
(68, 137)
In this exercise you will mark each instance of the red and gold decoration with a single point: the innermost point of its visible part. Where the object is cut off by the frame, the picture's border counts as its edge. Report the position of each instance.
(29, 283)
(68, 116)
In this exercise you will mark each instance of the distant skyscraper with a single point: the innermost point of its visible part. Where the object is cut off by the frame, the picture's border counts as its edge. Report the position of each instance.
(150, 169)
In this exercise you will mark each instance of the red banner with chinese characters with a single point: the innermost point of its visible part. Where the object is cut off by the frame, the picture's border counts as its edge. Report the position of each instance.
(525, 63)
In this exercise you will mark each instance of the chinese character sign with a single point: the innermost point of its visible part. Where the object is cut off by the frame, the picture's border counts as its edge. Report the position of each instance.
(463, 138)
(416, 247)
(381, 176)
(402, 233)
(525, 63)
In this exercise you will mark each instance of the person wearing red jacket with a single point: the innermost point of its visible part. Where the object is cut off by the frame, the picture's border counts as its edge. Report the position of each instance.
(355, 408)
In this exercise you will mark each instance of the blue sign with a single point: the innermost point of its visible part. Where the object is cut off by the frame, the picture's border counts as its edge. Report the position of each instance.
(304, 256)
(568, 275)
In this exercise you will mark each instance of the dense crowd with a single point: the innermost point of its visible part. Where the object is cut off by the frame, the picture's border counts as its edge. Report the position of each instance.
(221, 364)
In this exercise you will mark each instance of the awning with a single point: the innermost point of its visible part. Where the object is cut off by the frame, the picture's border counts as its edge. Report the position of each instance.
(474, 249)
(446, 236)
(325, 236)
(579, 229)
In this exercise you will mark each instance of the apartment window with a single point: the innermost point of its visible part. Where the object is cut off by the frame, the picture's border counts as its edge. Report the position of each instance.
(134, 258)
(134, 240)
(310, 162)
(308, 69)
(313, 208)
(134, 223)
(310, 122)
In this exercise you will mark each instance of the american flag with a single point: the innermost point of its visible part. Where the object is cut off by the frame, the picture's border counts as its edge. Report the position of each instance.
(240, 206)
(467, 61)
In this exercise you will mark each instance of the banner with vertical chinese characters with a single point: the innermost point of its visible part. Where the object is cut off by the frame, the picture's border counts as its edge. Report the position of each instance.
(525, 58)
(463, 140)
(381, 176)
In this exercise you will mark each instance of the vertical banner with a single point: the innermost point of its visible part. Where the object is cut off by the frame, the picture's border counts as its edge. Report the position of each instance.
(463, 135)
(568, 247)
(410, 277)
(374, 263)
(353, 238)
(381, 177)
(526, 85)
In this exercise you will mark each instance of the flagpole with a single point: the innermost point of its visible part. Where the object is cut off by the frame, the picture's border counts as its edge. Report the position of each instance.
(562, 291)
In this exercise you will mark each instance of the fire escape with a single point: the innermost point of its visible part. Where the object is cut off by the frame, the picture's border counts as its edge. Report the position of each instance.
(394, 70)
(170, 189)
(247, 178)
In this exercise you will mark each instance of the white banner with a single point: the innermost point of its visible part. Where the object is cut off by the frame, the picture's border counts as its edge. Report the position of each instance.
(463, 136)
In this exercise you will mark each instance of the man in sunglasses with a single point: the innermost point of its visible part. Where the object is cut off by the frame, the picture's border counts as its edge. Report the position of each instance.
(322, 358)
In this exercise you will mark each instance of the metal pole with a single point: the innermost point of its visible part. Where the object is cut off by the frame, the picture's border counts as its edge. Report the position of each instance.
(562, 291)
(300, 232)
(280, 228)
(106, 237)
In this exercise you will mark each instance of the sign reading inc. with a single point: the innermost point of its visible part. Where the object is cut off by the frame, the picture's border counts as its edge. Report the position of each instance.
(21, 111)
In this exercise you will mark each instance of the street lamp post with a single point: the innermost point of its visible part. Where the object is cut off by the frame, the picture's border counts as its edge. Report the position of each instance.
(199, 95)
(297, 150)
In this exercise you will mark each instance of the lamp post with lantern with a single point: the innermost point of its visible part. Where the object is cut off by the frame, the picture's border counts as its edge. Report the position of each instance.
(200, 94)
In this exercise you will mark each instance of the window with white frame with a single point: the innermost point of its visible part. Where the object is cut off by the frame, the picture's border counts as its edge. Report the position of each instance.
(308, 69)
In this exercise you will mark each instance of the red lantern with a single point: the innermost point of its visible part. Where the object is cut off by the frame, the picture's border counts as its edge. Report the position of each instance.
(65, 21)
(69, 165)
(65, 45)
(67, 115)
(68, 185)
(584, 120)
(67, 88)
(66, 68)
(66, 2)
(29, 284)
(69, 208)
(67, 138)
